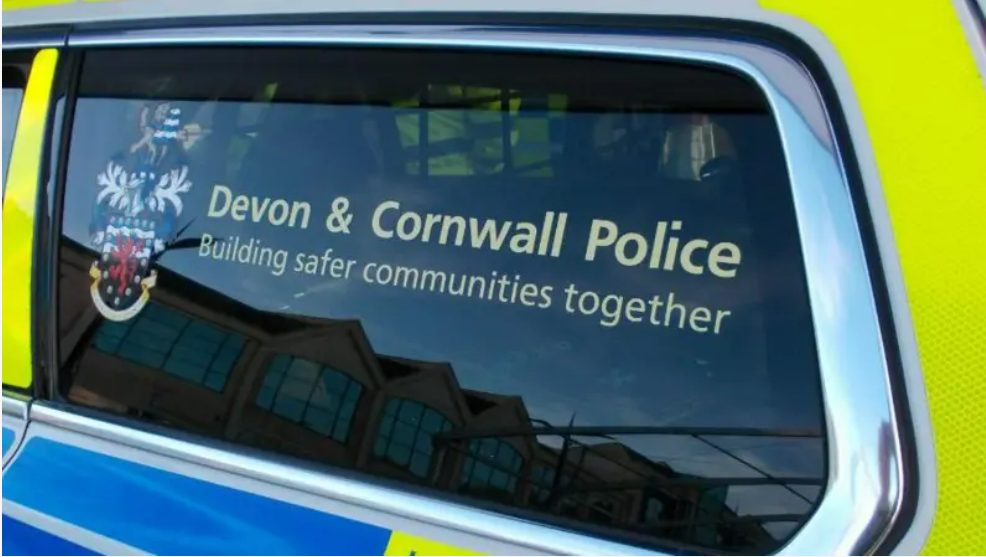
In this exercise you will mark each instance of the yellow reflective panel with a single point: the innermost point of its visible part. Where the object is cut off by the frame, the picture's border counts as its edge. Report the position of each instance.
(925, 110)
(21, 4)
(406, 544)
(23, 182)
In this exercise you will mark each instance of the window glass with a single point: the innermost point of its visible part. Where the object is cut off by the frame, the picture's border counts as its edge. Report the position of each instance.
(653, 510)
(542, 482)
(318, 397)
(163, 339)
(406, 436)
(573, 300)
(14, 82)
(492, 467)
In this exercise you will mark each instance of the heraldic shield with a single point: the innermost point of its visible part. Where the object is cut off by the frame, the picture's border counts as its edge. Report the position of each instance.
(122, 275)
(138, 204)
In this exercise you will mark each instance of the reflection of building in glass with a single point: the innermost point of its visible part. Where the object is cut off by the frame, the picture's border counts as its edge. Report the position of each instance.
(319, 397)
(315, 389)
(406, 434)
(160, 338)
(492, 466)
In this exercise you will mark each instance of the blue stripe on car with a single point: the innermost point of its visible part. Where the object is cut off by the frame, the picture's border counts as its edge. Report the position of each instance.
(9, 436)
(166, 513)
(24, 539)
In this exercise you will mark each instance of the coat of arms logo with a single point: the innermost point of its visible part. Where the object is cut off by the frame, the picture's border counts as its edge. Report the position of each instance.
(138, 204)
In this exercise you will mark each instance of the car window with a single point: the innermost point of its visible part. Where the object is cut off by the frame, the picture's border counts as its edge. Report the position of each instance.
(14, 82)
(568, 289)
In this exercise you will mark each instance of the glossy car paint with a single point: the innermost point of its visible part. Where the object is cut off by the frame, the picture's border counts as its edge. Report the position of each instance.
(20, 203)
(925, 212)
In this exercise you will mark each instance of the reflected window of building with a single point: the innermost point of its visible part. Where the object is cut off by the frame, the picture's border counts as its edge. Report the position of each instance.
(406, 435)
(492, 466)
(652, 511)
(164, 339)
(319, 397)
(602, 511)
(542, 479)
(710, 508)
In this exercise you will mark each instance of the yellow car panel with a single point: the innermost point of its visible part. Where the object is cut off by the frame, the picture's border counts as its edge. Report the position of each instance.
(406, 544)
(20, 4)
(915, 82)
(23, 182)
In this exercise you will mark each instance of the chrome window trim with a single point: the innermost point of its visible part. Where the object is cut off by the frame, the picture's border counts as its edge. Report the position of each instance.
(33, 42)
(15, 408)
(973, 16)
(864, 493)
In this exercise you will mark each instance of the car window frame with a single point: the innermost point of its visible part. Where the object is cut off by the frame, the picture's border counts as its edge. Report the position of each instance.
(854, 369)
(30, 44)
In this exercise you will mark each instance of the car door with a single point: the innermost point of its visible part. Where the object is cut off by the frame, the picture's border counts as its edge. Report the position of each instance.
(221, 397)
(14, 85)
(29, 98)
(440, 289)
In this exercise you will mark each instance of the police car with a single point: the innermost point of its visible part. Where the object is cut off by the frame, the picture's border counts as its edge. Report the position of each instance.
(477, 278)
